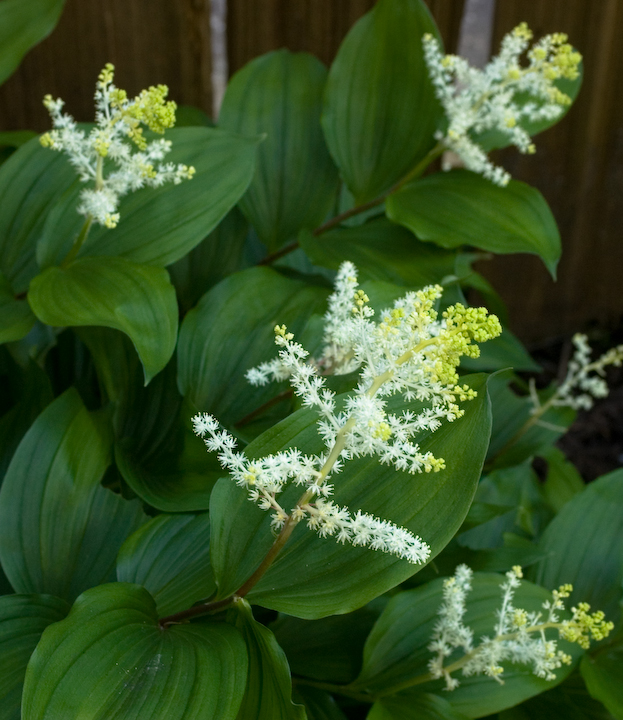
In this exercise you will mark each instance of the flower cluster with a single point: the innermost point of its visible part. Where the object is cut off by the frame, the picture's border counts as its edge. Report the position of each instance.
(410, 352)
(476, 100)
(117, 120)
(585, 379)
(519, 634)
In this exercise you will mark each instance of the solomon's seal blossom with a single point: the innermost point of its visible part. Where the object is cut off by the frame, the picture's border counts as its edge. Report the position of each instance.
(493, 98)
(519, 635)
(117, 120)
(410, 351)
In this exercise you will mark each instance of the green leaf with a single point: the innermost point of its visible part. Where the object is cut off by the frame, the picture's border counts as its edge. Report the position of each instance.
(329, 649)
(515, 435)
(313, 577)
(170, 556)
(268, 695)
(425, 707)
(22, 620)
(219, 255)
(567, 701)
(295, 183)
(110, 659)
(502, 352)
(583, 546)
(380, 110)
(231, 330)
(24, 23)
(112, 292)
(318, 704)
(60, 530)
(563, 481)
(16, 138)
(160, 225)
(396, 651)
(380, 250)
(16, 318)
(602, 674)
(460, 207)
(30, 390)
(32, 181)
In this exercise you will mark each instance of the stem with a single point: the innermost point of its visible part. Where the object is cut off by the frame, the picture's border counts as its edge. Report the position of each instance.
(195, 611)
(78, 242)
(338, 219)
(265, 406)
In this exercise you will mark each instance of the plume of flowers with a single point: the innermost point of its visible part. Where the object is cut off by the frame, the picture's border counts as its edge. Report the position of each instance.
(411, 351)
(520, 636)
(477, 100)
(117, 121)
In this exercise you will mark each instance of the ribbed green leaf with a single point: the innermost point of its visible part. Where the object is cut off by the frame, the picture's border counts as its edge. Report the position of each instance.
(159, 226)
(112, 292)
(268, 695)
(380, 111)
(32, 181)
(24, 23)
(318, 704)
(170, 556)
(231, 330)
(22, 620)
(313, 577)
(460, 207)
(582, 546)
(110, 659)
(16, 318)
(60, 530)
(280, 94)
(396, 651)
(425, 707)
(602, 674)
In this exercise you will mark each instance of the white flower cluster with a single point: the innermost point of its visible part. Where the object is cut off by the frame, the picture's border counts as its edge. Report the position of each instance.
(519, 634)
(409, 352)
(117, 119)
(585, 379)
(477, 100)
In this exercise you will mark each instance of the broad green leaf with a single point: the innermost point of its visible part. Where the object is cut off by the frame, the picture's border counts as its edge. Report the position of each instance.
(110, 659)
(268, 695)
(396, 651)
(425, 707)
(602, 673)
(32, 181)
(516, 433)
(460, 207)
(22, 620)
(380, 110)
(170, 556)
(567, 701)
(231, 330)
(563, 481)
(295, 183)
(313, 577)
(16, 318)
(502, 352)
(112, 292)
(24, 23)
(160, 225)
(318, 704)
(381, 250)
(583, 546)
(29, 391)
(60, 530)
(16, 138)
(219, 255)
(328, 649)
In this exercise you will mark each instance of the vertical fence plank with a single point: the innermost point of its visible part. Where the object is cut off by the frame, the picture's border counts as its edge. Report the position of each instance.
(149, 41)
(579, 169)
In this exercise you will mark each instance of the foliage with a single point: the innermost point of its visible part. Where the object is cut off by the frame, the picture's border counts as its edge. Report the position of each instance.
(137, 580)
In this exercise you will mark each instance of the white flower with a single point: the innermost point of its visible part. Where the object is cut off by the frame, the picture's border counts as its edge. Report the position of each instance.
(476, 100)
(117, 121)
(411, 352)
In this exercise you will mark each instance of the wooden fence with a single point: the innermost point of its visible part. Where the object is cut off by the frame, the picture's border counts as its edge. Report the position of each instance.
(578, 166)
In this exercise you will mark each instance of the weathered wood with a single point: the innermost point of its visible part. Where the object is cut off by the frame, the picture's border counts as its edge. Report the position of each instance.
(579, 169)
(149, 42)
